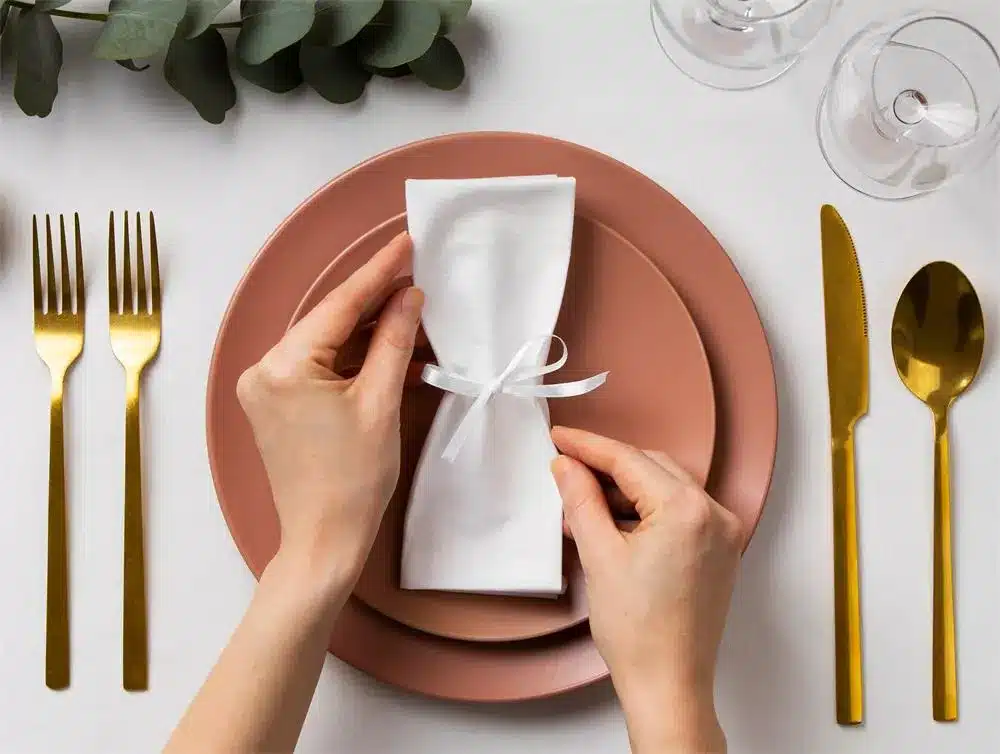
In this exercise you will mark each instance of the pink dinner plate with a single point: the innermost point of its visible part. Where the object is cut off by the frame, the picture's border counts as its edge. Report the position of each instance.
(619, 314)
(366, 196)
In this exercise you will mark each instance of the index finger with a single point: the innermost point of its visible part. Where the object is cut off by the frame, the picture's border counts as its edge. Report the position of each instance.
(638, 476)
(334, 318)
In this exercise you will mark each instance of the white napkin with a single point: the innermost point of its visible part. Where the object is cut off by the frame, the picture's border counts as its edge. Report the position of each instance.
(491, 256)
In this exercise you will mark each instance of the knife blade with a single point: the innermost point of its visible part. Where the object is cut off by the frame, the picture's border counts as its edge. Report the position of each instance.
(847, 376)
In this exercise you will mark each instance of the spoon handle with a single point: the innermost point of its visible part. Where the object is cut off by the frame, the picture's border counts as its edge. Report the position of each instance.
(846, 584)
(945, 680)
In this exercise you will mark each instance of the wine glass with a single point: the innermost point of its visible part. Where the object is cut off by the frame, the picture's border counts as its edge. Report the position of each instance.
(912, 103)
(737, 44)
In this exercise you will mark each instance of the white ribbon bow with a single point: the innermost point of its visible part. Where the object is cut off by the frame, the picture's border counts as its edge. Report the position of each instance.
(509, 382)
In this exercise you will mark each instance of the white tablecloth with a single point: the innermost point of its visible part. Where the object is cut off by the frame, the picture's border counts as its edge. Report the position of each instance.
(585, 70)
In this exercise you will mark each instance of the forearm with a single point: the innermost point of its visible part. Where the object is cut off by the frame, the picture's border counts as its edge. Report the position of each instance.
(257, 696)
(671, 719)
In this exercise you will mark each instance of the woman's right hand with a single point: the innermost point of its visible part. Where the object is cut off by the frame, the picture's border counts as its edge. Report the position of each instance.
(659, 594)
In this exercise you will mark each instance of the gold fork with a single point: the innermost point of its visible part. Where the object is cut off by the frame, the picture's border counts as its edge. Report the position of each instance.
(135, 339)
(59, 341)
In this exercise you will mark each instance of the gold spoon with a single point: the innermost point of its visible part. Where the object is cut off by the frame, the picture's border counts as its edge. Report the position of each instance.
(937, 344)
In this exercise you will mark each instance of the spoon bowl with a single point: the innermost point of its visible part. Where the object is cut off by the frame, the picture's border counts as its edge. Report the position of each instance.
(938, 336)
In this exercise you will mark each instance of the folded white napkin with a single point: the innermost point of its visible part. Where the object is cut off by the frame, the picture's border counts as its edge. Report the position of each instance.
(491, 256)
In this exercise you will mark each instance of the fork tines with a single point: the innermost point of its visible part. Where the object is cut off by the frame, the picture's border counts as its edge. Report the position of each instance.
(134, 298)
(57, 299)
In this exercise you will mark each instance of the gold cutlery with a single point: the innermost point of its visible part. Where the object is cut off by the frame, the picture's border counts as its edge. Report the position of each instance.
(135, 339)
(59, 341)
(847, 375)
(937, 343)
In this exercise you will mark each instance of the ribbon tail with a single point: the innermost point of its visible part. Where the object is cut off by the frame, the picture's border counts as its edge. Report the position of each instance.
(558, 390)
(461, 433)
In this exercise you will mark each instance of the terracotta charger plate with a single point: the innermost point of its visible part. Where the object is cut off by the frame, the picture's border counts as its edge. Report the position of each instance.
(365, 197)
(619, 314)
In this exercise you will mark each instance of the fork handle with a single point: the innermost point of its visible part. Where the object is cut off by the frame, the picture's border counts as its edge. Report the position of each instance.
(57, 588)
(135, 654)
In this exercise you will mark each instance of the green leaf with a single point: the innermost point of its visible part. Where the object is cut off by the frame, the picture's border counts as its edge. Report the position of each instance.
(340, 21)
(198, 70)
(5, 11)
(44, 6)
(280, 73)
(389, 73)
(139, 28)
(441, 66)
(453, 12)
(333, 72)
(272, 25)
(39, 58)
(199, 16)
(8, 46)
(130, 65)
(405, 31)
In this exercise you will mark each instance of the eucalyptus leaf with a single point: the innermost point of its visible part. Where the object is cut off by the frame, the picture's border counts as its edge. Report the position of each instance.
(39, 53)
(8, 46)
(198, 70)
(131, 65)
(139, 28)
(199, 16)
(405, 31)
(280, 73)
(389, 73)
(333, 72)
(453, 12)
(272, 25)
(441, 66)
(340, 21)
(44, 6)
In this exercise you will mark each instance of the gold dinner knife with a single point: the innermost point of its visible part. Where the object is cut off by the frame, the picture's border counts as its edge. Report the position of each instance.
(847, 374)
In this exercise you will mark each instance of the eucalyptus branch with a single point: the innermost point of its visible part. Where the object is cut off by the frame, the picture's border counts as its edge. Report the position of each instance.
(60, 13)
(334, 47)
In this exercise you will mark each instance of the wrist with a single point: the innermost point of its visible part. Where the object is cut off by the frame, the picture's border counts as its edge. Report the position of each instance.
(672, 718)
(317, 580)
(328, 547)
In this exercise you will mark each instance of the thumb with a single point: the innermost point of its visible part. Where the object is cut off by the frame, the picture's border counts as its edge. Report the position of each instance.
(384, 372)
(587, 514)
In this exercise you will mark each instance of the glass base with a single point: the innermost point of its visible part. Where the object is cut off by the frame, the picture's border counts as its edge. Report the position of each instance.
(706, 72)
(844, 167)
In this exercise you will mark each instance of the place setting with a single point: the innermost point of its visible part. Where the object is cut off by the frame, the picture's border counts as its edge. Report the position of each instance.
(562, 287)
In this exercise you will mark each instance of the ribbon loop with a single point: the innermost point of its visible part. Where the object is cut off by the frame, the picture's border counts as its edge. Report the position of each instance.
(510, 381)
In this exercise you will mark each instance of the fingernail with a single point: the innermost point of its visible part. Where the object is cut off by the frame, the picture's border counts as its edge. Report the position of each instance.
(412, 301)
(560, 468)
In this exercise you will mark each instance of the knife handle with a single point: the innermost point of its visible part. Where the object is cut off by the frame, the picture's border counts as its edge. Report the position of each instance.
(846, 588)
(945, 674)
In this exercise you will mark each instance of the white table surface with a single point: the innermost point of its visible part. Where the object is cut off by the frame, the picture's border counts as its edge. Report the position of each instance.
(585, 70)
